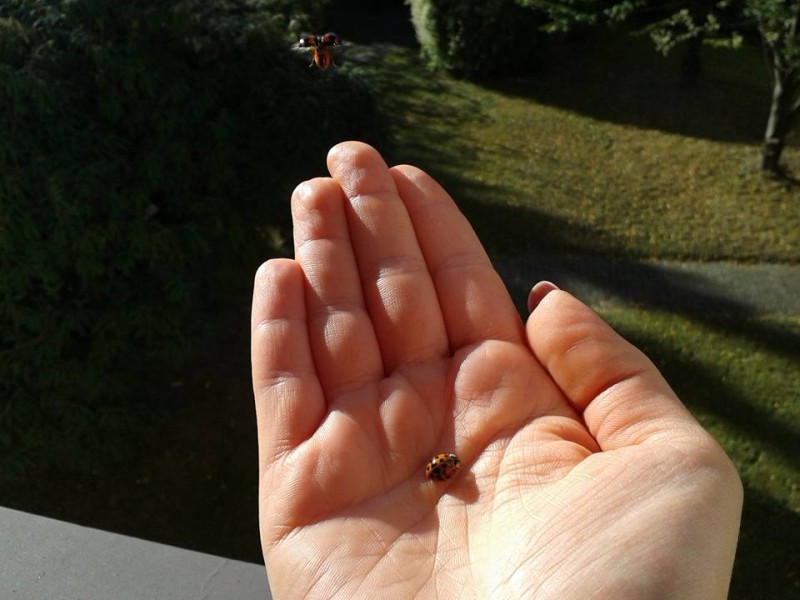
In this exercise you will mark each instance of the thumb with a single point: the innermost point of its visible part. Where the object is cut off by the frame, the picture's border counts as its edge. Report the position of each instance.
(622, 397)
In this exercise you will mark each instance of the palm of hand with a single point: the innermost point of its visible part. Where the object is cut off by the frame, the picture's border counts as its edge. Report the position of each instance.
(372, 368)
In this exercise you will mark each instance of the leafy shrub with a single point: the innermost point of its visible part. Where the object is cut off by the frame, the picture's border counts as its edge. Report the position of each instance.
(477, 38)
(142, 145)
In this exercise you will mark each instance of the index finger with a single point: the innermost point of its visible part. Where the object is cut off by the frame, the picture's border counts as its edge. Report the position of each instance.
(289, 400)
(397, 287)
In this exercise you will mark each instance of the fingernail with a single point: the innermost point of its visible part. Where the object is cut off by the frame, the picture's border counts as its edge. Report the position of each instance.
(538, 292)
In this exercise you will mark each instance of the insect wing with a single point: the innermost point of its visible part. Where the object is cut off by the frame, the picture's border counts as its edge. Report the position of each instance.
(307, 43)
(329, 39)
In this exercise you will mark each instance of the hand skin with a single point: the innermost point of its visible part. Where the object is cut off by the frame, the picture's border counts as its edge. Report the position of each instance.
(390, 338)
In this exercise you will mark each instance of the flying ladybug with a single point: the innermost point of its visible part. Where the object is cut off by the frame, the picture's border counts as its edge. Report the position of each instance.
(321, 47)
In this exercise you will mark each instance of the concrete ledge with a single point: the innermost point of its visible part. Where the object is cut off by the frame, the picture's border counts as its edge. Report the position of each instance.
(44, 558)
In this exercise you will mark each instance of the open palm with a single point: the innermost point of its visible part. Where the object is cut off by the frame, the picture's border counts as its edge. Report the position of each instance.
(390, 338)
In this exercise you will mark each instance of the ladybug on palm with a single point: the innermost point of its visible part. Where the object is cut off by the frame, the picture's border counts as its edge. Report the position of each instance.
(442, 467)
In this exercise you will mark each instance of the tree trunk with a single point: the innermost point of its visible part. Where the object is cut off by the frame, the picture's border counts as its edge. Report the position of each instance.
(775, 135)
(785, 85)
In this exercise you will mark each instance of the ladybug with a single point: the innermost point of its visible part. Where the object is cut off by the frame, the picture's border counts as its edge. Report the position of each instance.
(442, 467)
(321, 48)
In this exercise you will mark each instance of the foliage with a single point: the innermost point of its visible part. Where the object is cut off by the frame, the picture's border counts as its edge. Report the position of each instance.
(668, 22)
(141, 145)
(778, 26)
(476, 38)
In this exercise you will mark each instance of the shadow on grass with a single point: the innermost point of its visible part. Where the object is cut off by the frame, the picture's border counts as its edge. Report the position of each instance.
(726, 297)
(767, 558)
(705, 392)
(620, 78)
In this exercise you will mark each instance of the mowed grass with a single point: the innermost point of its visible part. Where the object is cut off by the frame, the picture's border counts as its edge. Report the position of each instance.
(607, 153)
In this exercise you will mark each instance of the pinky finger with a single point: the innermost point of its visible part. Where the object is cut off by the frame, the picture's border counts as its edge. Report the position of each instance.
(289, 400)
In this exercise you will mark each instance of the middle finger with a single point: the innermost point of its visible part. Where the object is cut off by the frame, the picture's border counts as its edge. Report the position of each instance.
(398, 288)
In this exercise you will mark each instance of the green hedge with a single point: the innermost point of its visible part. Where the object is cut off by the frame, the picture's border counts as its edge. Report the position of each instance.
(143, 145)
(477, 38)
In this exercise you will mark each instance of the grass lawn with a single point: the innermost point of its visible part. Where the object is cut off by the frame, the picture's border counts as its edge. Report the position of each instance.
(608, 156)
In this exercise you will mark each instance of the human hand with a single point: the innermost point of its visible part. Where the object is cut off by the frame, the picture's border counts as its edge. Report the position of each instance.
(390, 338)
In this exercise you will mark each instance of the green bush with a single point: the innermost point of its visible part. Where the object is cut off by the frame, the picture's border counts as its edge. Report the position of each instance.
(142, 145)
(477, 38)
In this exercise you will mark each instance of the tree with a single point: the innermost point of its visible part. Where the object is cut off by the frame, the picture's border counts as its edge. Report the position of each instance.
(777, 23)
(724, 22)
